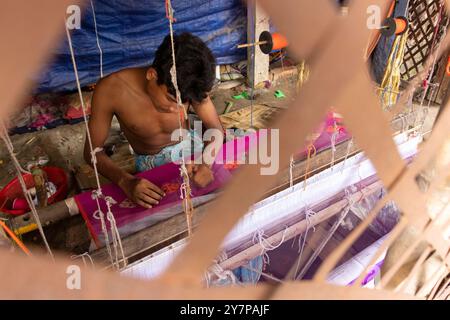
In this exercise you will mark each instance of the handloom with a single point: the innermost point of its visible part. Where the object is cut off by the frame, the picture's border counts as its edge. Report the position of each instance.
(275, 215)
(345, 85)
(131, 218)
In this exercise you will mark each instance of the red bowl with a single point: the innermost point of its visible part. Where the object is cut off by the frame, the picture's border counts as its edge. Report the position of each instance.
(13, 190)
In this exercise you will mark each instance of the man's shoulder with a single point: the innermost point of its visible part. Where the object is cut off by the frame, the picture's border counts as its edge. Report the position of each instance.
(110, 82)
(117, 82)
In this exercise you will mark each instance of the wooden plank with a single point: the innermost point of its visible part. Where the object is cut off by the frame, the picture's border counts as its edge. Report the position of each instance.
(257, 61)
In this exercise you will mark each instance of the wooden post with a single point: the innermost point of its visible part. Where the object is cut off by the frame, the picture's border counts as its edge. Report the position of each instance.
(257, 62)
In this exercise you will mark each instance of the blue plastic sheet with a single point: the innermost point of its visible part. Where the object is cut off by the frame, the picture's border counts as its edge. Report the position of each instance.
(130, 31)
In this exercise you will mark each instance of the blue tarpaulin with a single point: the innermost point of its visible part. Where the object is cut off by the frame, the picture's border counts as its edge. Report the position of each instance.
(130, 31)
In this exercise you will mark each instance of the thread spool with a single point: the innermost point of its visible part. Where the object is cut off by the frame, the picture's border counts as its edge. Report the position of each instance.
(272, 41)
(268, 42)
(394, 26)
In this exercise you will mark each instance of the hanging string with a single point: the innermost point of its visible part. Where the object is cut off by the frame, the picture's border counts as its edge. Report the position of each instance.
(260, 238)
(98, 214)
(221, 274)
(185, 188)
(117, 241)
(98, 40)
(303, 74)
(309, 213)
(330, 234)
(333, 144)
(347, 153)
(84, 256)
(96, 194)
(311, 153)
(291, 173)
(9, 146)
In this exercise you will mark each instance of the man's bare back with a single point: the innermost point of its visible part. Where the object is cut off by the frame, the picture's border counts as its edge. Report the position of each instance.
(144, 102)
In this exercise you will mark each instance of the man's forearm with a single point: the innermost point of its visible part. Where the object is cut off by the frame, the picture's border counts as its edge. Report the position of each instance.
(107, 168)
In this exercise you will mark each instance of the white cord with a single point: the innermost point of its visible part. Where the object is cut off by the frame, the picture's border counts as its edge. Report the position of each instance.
(98, 40)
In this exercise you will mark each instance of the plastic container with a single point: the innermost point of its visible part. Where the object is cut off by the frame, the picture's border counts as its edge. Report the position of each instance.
(13, 191)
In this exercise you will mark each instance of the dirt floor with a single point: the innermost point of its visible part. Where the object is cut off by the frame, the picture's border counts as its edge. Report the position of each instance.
(64, 148)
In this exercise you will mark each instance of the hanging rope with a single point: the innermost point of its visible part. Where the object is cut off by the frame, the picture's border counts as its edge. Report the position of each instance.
(311, 153)
(309, 213)
(260, 237)
(98, 40)
(390, 84)
(291, 172)
(331, 232)
(215, 271)
(185, 188)
(96, 194)
(10, 148)
(347, 153)
(117, 241)
(221, 275)
(333, 144)
(83, 257)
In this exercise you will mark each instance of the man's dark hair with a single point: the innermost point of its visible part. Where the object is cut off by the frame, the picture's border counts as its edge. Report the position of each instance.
(195, 66)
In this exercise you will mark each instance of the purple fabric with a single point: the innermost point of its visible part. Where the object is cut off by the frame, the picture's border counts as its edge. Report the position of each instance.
(371, 274)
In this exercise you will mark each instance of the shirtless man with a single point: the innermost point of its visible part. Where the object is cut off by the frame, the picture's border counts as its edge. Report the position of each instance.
(144, 102)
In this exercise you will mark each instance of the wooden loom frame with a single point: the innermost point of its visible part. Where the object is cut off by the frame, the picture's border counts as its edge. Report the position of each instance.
(338, 84)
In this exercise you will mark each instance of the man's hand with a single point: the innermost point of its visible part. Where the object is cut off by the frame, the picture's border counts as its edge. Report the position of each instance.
(201, 174)
(142, 192)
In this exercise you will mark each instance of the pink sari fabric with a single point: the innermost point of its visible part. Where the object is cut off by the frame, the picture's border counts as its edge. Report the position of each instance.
(131, 218)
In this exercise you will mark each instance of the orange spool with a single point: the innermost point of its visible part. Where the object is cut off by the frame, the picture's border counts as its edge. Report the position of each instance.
(279, 41)
(274, 41)
(401, 25)
(397, 26)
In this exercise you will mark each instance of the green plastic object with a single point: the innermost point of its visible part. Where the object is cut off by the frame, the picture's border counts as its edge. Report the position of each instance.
(242, 95)
(279, 94)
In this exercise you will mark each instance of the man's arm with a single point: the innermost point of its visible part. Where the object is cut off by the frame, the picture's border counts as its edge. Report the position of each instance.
(206, 111)
(140, 191)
